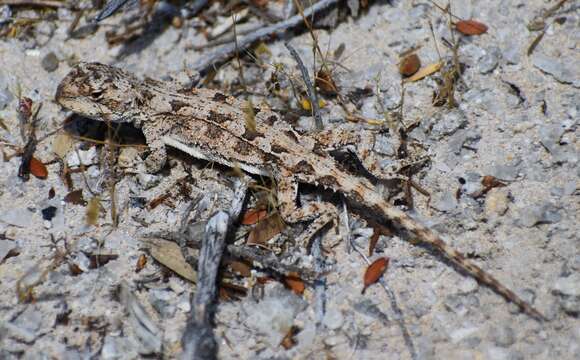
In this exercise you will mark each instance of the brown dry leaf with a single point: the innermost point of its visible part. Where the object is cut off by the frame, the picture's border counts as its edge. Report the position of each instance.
(253, 216)
(373, 241)
(92, 213)
(289, 342)
(141, 262)
(98, 260)
(409, 65)
(266, 229)
(3, 125)
(241, 268)
(74, 269)
(325, 82)
(38, 169)
(471, 27)
(75, 197)
(62, 144)
(425, 71)
(491, 182)
(295, 284)
(169, 254)
(374, 272)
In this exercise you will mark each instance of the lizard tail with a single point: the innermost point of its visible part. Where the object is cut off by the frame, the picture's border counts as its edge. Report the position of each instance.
(427, 236)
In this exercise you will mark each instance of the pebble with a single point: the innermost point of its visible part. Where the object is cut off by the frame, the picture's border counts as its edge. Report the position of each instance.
(550, 136)
(444, 201)
(562, 69)
(489, 61)
(5, 247)
(49, 62)
(448, 124)
(568, 291)
(468, 285)
(496, 202)
(505, 172)
(128, 157)
(48, 213)
(5, 14)
(84, 157)
(6, 97)
(503, 336)
(333, 319)
(546, 213)
(20, 217)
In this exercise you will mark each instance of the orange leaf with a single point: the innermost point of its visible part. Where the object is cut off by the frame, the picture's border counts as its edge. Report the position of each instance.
(425, 71)
(254, 216)
(295, 284)
(409, 65)
(265, 230)
(490, 182)
(471, 27)
(38, 169)
(374, 272)
(141, 262)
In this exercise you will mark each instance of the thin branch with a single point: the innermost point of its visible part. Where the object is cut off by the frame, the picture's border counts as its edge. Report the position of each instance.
(312, 95)
(225, 52)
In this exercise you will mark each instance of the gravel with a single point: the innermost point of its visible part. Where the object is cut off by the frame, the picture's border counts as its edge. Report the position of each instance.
(517, 120)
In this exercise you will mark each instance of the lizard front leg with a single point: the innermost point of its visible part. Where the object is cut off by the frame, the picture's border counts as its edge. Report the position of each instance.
(320, 213)
(157, 157)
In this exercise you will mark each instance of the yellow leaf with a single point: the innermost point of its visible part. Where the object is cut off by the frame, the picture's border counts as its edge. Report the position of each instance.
(426, 71)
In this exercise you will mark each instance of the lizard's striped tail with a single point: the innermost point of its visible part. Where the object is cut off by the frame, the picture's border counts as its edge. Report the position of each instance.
(427, 236)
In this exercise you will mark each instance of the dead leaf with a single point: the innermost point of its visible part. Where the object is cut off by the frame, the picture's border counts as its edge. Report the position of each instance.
(240, 268)
(141, 262)
(425, 71)
(470, 27)
(38, 169)
(409, 65)
(74, 269)
(325, 82)
(373, 241)
(289, 341)
(62, 144)
(295, 284)
(374, 272)
(253, 216)
(98, 260)
(266, 229)
(92, 213)
(169, 254)
(491, 182)
(75, 197)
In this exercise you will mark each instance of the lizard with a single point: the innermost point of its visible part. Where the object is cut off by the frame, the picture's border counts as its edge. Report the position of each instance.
(210, 125)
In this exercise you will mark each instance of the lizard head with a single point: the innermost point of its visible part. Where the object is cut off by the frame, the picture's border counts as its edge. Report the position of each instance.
(100, 92)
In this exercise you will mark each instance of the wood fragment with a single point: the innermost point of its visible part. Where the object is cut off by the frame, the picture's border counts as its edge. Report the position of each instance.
(225, 52)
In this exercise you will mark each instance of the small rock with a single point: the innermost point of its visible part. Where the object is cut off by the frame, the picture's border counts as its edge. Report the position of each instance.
(449, 124)
(48, 213)
(463, 333)
(550, 136)
(5, 14)
(503, 336)
(568, 290)
(333, 319)
(148, 180)
(496, 202)
(505, 172)
(445, 201)
(6, 246)
(49, 62)
(6, 98)
(563, 70)
(489, 61)
(84, 157)
(334, 340)
(128, 157)
(512, 53)
(162, 302)
(468, 285)
(17, 216)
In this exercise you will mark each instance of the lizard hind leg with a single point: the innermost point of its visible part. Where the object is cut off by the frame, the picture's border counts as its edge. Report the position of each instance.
(319, 213)
(363, 143)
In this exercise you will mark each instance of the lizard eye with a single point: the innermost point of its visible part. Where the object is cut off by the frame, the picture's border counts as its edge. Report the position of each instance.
(96, 94)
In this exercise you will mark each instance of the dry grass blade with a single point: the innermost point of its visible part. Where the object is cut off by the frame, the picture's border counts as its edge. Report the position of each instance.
(425, 71)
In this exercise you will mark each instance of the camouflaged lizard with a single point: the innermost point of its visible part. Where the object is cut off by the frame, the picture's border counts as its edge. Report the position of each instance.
(210, 125)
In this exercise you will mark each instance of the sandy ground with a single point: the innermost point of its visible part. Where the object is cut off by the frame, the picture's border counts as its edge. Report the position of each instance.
(517, 120)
